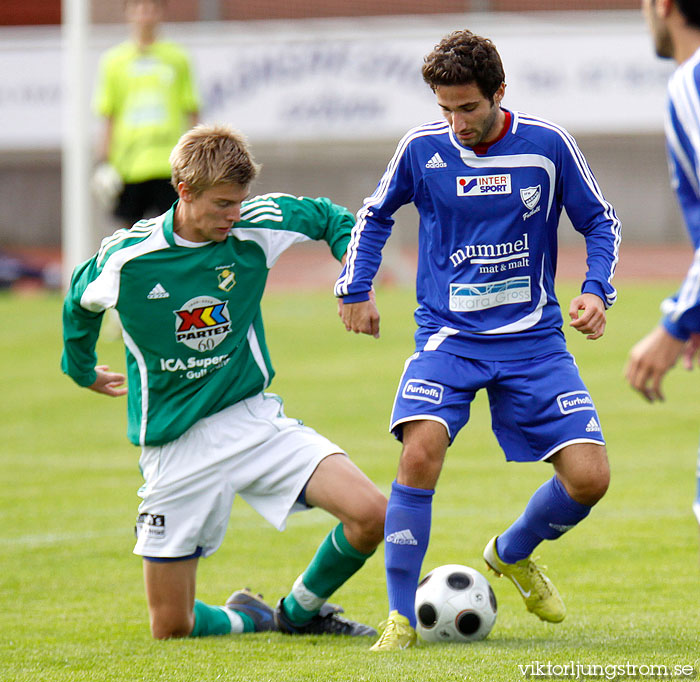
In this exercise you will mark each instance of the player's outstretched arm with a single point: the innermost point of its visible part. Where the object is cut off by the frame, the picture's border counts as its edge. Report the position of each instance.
(108, 382)
(587, 313)
(650, 359)
(361, 317)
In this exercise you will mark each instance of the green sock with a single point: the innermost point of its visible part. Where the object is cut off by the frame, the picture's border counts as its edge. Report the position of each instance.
(218, 620)
(334, 562)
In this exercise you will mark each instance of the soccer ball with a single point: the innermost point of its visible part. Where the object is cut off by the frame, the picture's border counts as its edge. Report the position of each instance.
(454, 604)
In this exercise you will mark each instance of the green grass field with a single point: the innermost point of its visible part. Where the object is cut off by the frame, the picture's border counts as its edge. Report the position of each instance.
(72, 595)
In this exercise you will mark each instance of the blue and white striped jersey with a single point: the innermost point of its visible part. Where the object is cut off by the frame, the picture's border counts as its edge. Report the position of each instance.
(487, 251)
(682, 126)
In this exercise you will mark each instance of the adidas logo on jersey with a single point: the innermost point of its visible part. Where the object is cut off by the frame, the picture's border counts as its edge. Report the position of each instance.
(592, 425)
(402, 537)
(158, 292)
(436, 162)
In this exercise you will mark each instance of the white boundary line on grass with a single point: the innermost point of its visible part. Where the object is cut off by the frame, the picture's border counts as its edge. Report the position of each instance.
(47, 539)
(55, 538)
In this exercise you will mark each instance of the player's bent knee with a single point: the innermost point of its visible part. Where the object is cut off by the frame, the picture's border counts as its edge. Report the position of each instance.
(584, 471)
(375, 523)
(419, 473)
(170, 626)
(591, 494)
(158, 632)
(598, 486)
(590, 488)
(367, 527)
(600, 478)
(420, 466)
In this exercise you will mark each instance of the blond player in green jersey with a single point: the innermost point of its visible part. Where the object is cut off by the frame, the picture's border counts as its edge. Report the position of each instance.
(187, 287)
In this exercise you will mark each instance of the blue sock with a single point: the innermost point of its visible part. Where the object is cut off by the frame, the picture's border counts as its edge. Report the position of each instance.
(549, 514)
(406, 536)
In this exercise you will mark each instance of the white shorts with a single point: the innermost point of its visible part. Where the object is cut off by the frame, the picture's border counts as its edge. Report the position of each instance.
(251, 449)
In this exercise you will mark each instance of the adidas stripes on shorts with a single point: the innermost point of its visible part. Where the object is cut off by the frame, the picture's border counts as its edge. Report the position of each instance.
(538, 405)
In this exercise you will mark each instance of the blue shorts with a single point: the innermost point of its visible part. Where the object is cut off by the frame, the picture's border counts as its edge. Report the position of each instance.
(538, 405)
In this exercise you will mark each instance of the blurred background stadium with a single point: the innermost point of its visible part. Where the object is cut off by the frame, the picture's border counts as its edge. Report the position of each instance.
(324, 89)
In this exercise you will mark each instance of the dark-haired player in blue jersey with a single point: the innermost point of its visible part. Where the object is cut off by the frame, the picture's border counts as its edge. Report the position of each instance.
(489, 185)
(675, 27)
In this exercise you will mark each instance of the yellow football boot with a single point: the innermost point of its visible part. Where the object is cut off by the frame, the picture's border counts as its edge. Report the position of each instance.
(536, 589)
(398, 634)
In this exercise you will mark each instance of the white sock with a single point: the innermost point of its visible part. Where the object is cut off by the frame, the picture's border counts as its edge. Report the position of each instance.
(236, 620)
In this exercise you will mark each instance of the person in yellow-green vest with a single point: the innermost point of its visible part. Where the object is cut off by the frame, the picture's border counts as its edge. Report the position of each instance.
(147, 96)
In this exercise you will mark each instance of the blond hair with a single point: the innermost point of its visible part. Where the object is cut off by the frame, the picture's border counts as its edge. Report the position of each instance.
(209, 155)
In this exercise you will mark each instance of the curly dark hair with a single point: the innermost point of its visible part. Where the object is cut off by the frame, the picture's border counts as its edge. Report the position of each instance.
(461, 58)
(690, 10)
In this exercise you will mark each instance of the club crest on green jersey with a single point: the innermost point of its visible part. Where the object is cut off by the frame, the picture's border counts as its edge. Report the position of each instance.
(202, 323)
(227, 279)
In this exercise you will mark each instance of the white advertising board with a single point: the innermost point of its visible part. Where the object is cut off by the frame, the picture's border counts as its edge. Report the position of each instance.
(346, 80)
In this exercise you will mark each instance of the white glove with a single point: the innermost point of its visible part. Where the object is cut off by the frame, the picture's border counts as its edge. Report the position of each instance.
(106, 185)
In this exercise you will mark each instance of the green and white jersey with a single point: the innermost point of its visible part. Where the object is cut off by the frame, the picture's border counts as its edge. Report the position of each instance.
(191, 316)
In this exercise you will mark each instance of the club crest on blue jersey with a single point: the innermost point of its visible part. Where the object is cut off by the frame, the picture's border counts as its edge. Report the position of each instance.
(417, 389)
(483, 185)
(575, 402)
(531, 196)
(202, 323)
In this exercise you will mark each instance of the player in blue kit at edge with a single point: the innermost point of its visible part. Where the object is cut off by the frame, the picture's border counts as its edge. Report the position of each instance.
(489, 185)
(675, 29)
